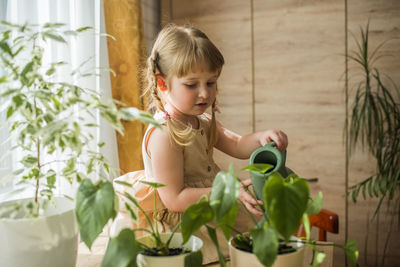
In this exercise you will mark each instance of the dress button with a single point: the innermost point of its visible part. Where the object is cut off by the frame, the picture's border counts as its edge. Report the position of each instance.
(202, 132)
(207, 150)
(209, 168)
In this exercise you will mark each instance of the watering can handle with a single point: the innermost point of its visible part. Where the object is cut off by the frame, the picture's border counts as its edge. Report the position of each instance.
(272, 144)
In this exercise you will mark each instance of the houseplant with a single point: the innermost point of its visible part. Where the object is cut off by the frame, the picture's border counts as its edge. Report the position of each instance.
(286, 201)
(153, 249)
(45, 119)
(375, 125)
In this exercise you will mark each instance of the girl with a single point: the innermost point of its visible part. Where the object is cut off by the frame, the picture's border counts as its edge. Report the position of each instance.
(181, 83)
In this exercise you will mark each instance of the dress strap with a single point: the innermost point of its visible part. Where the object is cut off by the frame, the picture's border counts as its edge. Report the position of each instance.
(147, 138)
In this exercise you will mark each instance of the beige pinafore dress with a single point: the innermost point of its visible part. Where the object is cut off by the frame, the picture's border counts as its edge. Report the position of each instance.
(199, 171)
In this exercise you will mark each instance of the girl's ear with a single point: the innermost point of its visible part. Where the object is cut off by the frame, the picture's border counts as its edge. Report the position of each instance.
(161, 85)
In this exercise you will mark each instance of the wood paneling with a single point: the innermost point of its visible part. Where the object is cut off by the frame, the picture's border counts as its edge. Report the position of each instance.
(299, 62)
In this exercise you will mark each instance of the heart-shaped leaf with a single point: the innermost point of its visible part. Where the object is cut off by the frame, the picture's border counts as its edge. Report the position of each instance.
(224, 192)
(227, 222)
(94, 207)
(315, 206)
(121, 250)
(285, 203)
(265, 244)
(194, 217)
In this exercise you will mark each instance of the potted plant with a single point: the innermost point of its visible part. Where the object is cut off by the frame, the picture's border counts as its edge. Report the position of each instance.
(154, 248)
(374, 126)
(286, 202)
(45, 122)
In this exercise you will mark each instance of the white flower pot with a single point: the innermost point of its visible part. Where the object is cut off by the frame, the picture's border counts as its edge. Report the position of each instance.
(194, 244)
(48, 241)
(240, 258)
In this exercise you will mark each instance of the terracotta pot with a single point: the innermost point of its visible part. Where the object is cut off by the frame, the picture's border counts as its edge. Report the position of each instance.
(240, 258)
(194, 244)
(48, 241)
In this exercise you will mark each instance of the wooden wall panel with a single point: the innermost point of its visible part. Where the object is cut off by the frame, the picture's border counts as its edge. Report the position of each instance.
(371, 234)
(227, 24)
(298, 64)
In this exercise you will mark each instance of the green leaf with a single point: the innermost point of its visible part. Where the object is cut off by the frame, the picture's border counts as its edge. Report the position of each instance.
(53, 36)
(224, 193)
(285, 203)
(53, 25)
(131, 212)
(122, 250)
(265, 244)
(194, 259)
(6, 48)
(10, 112)
(227, 222)
(153, 185)
(132, 113)
(29, 161)
(82, 29)
(319, 257)
(94, 207)
(315, 206)
(258, 167)
(376, 187)
(123, 183)
(212, 233)
(351, 250)
(195, 216)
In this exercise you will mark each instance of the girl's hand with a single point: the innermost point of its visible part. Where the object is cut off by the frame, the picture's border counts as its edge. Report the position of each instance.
(247, 200)
(275, 135)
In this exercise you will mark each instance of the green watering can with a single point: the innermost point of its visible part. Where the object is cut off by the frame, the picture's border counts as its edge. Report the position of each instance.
(268, 154)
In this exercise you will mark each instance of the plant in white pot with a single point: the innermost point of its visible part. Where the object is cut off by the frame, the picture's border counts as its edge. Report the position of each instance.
(154, 248)
(46, 121)
(270, 242)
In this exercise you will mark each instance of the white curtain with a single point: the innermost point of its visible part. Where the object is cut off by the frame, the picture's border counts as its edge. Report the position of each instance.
(75, 14)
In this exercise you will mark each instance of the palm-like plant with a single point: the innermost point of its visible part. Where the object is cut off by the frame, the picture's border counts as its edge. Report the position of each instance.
(375, 123)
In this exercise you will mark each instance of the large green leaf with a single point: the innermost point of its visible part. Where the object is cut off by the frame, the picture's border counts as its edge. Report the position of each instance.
(285, 203)
(227, 222)
(265, 244)
(224, 192)
(121, 250)
(194, 217)
(94, 207)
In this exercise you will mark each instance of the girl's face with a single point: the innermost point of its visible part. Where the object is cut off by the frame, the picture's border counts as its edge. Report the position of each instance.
(191, 94)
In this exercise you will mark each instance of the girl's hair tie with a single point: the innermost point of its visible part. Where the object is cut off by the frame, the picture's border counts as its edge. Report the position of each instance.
(215, 109)
(166, 115)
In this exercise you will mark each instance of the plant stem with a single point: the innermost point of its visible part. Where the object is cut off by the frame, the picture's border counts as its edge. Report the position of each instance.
(38, 159)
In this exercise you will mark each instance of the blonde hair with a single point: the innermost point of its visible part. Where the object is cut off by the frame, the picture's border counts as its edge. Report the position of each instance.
(177, 51)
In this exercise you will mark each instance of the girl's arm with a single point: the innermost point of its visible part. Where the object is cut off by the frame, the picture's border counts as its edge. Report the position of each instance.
(167, 163)
(241, 147)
